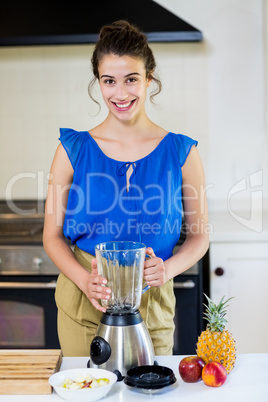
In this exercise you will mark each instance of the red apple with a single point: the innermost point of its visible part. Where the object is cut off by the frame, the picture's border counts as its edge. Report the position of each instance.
(190, 368)
(214, 374)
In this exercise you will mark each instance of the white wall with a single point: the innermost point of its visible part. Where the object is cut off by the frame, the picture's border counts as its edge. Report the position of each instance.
(235, 43)
(213, 91)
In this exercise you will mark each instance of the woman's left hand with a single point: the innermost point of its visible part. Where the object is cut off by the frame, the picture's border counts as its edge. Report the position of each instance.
(154, 270)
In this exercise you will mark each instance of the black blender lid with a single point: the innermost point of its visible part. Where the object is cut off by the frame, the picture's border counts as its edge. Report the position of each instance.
(150, 377)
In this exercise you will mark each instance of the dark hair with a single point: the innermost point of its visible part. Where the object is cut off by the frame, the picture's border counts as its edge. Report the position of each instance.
(122, 38)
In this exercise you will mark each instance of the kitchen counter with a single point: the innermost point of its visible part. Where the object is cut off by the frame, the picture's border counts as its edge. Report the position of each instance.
(227, 226)
(247, 382)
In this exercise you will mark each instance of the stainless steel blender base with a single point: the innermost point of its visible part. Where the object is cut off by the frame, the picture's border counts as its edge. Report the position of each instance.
(121, 342)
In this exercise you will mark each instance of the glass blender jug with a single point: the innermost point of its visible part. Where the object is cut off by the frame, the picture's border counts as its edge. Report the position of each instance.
(121, 263)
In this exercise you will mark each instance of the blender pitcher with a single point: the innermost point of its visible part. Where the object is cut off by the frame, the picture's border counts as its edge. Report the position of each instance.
(122, 263)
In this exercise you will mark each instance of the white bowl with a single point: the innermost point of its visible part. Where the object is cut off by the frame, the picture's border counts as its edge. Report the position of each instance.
(79, 395)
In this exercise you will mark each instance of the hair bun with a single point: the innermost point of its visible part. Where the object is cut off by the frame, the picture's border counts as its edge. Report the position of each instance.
(120, 25)
(123, 24)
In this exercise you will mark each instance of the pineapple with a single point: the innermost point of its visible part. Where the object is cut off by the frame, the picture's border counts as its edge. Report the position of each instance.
(216, 343)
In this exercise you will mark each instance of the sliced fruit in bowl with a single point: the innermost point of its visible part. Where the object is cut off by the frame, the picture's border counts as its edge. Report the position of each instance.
(83, 385)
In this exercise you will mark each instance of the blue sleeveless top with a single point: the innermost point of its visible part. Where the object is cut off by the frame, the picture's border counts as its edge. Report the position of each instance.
(100, 207)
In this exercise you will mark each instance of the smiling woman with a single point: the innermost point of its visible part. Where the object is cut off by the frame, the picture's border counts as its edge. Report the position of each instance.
(123, 85)
(120, 39)
(128, 79)
(127, 180)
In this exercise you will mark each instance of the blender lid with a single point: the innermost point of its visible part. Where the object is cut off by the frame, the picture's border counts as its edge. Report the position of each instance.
(150, 377)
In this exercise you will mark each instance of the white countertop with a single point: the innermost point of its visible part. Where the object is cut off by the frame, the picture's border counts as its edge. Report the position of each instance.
(228, 226)
(247, 382)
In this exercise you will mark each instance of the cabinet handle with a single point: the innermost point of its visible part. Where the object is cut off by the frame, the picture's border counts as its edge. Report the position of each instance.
(219, 271)
(28, 285)
(184, 285)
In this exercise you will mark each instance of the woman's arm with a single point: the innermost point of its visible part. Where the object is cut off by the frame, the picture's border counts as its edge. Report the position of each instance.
(58, 250)
(195, 216)
(196, 224)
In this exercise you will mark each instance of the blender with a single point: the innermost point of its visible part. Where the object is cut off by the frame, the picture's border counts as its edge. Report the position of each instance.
(122, 339)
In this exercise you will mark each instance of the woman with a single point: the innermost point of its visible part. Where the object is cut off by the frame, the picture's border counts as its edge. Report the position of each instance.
(125, 179)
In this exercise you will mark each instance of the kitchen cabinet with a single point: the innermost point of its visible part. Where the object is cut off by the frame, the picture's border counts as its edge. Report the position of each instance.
(239, 269)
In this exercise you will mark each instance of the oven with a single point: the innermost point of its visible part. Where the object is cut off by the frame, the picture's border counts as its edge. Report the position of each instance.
(28, 312)
(188, 289)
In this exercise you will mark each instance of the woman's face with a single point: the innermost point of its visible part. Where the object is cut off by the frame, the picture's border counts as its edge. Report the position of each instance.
(123, 85)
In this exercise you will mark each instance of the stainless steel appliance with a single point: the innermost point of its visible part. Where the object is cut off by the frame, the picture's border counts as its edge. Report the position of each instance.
(188, 289)
(28, 313)
(122, 340)
(70, 25)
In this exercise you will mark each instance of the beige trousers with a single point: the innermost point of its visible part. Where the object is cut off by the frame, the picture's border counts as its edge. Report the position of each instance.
(78, 319)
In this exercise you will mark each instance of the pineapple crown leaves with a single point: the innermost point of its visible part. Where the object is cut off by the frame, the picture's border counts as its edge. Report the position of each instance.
(215, 314)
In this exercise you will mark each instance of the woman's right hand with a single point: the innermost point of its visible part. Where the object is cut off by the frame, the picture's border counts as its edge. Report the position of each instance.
(95, 289)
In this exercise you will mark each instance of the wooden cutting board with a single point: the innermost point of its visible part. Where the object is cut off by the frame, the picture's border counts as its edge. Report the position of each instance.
(26, 371)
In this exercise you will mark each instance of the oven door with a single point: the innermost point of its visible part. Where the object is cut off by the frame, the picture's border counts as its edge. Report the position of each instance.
(188, 314)
(28, 313)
